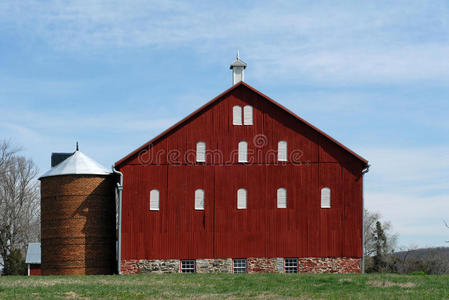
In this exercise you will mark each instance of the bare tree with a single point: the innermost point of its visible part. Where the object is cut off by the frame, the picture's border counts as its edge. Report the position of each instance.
(378, 234)
(19, 201)
(369, 229)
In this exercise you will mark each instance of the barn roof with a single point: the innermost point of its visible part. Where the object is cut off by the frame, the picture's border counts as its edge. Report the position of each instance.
(78, 163)
(211, 102)
(33, 253)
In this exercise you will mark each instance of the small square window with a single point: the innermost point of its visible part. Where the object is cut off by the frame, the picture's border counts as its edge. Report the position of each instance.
(239, 265)
(291, 265)
(188, 266)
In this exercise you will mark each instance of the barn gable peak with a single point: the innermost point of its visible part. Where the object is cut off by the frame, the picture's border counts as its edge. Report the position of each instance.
(200, 110)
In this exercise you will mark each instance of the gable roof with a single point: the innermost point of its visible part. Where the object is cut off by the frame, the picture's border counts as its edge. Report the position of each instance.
(216, 99)
(33, 253)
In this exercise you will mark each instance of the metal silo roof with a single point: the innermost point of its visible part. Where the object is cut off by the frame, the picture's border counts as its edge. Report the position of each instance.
(33, 253)
(78, 163)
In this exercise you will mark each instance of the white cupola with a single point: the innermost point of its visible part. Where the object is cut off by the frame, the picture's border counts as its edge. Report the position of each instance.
(238, 70)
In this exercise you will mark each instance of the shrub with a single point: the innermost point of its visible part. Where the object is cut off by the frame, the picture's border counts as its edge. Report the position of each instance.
(15, 264)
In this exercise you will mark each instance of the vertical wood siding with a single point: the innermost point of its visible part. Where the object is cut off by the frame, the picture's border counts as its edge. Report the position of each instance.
(303, 229)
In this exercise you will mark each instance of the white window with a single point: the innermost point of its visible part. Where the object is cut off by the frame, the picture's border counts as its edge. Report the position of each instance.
(243, 152)
(282, 198)
(239, 265)
(282, 151)
(241, 199)
(201, 152)
(247, 115)
(236, 115)
(188, 266)
(325, 197)
(154, 200)
(291, 265)
(199, 199)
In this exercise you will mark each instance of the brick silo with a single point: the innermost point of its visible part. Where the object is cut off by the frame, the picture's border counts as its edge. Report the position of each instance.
(77, 218)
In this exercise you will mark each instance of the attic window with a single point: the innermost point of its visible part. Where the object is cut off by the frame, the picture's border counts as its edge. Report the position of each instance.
(154, 199)
(201, 152)
(241, 199)
(243, 152)
(282, 151)
(325, 197)
(199, 199)
(247, 115)
(236, 115)
(282, 198)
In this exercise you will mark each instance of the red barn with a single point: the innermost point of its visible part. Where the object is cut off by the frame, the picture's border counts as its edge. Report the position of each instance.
(241, 185)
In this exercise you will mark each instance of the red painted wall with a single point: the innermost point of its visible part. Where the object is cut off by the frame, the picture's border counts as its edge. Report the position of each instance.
(35, 270)
(262, 230)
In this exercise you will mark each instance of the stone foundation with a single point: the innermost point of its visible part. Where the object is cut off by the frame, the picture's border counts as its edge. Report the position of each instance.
(253, 265)
(159, 266)
(264, 265)
(329, 265)
(214, 265)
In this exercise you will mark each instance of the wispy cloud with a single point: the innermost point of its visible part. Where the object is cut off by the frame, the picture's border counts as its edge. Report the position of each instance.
(380, 42)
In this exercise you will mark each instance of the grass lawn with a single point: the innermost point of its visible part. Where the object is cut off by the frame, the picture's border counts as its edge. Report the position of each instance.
(227, 286)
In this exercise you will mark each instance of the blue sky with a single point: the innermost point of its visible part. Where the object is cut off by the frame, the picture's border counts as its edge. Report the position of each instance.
(113, 74)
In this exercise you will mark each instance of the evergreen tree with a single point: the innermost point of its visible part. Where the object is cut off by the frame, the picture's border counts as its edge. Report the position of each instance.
(379, 259)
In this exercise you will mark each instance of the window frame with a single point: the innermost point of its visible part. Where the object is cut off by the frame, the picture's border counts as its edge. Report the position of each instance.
(243, 151)
(237, 115)
(152, 208)
(201, 159)
(237, 265)
(198, 207)
(188, 269)
(282, 153)
(242, 192)
(289, 267)
(248, 115)
(278, 197)
(326, 193)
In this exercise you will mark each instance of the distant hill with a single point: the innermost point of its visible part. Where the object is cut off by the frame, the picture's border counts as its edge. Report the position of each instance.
(422, 252)
(428, 260)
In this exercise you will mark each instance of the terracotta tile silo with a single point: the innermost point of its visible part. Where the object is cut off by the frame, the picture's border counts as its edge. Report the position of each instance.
(78, 218)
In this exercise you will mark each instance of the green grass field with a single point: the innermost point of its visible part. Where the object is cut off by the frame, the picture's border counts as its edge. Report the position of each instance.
(227, 286)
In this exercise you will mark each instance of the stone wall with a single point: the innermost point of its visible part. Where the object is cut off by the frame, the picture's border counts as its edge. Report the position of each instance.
(159, 266)
(130, 266)
(253, 265)
(135, 266)
(264, 265)
(329, 265)
(214, 265)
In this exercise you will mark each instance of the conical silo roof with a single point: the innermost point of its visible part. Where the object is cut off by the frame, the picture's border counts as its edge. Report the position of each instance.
(78, 163)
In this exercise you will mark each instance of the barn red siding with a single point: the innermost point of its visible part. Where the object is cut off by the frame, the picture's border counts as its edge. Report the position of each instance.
(303, 229)
(35, 269)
